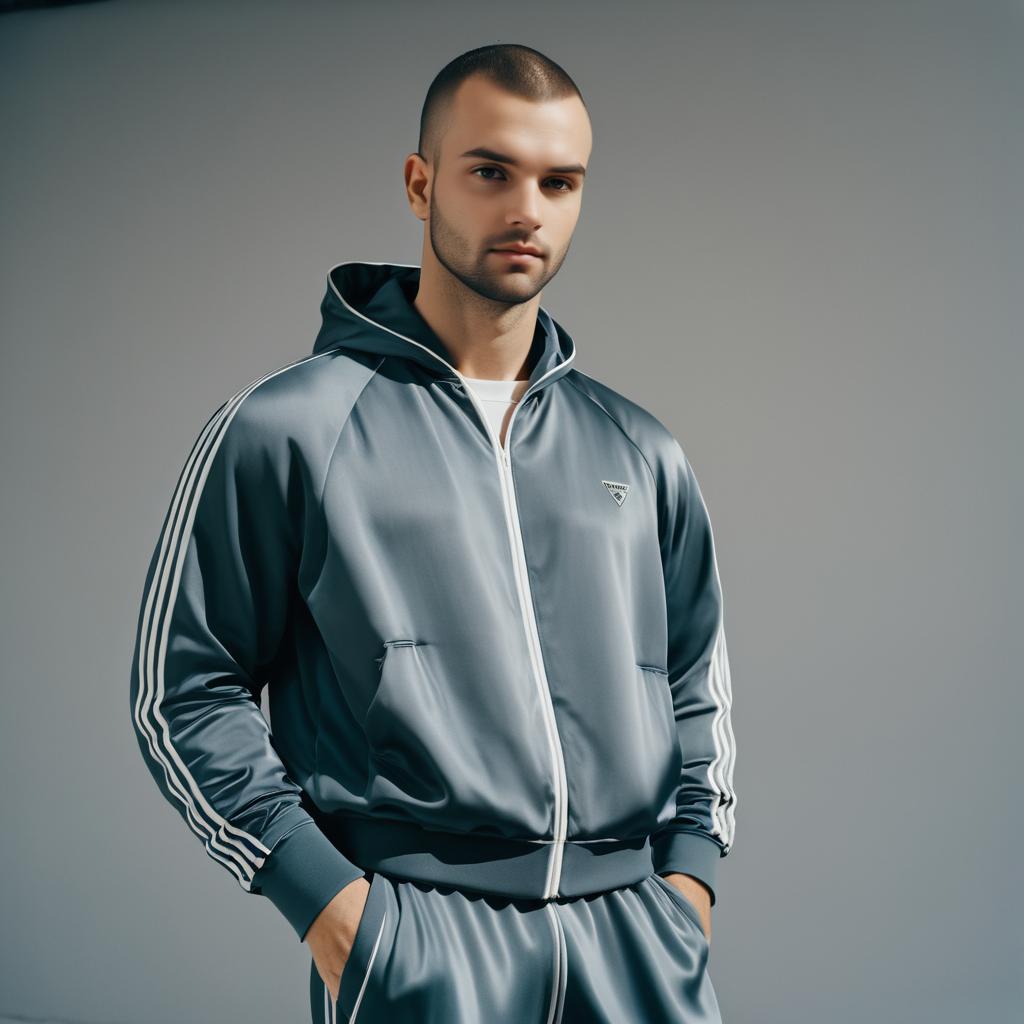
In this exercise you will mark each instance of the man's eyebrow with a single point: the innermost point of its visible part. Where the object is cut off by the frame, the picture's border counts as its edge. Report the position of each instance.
(502, 158)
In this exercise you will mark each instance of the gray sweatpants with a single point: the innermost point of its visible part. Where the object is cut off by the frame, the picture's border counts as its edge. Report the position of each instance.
(439, 955)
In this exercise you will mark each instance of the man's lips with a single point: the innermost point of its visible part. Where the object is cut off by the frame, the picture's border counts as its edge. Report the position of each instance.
(517, 254)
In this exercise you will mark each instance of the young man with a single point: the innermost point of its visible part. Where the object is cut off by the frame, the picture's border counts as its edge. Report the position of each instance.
(482, 589)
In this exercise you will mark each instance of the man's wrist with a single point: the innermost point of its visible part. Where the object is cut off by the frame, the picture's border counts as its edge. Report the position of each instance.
(687, 852)
(302, 874)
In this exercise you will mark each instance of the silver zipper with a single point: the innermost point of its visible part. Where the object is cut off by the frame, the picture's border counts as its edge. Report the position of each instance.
(532, 635)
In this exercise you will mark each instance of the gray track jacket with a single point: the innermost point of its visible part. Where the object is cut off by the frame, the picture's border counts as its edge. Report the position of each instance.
(502, 668)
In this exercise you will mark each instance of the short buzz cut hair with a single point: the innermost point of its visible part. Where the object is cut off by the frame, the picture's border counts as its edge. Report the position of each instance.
(519, 69)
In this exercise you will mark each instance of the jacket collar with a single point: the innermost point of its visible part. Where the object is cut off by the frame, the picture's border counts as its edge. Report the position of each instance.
(368, 307)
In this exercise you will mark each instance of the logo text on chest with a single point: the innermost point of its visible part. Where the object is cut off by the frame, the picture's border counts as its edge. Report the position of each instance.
(616, 490)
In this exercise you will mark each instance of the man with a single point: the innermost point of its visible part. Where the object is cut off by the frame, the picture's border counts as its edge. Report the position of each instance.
(482, 589)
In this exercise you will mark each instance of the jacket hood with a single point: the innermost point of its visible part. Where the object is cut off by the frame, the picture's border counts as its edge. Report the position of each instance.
(368, 307)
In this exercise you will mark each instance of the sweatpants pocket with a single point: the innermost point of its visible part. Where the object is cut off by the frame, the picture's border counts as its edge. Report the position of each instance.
(681, 902)
(367, 948)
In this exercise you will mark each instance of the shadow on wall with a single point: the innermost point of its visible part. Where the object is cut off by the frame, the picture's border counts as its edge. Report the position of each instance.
(10, 6)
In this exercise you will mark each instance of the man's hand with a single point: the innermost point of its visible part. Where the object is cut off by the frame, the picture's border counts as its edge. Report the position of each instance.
(697, 893)
(332, 933)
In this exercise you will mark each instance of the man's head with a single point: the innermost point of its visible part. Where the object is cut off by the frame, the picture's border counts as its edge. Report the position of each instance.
(504, 141)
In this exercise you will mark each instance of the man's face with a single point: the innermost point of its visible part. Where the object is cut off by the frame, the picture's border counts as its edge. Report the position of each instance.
(483, 201)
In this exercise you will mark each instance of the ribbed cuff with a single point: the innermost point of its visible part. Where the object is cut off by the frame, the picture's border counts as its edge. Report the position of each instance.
(302, 874)
(689, 853)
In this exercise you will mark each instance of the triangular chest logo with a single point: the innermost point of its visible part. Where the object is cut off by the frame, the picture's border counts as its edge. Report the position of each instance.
(616, 490)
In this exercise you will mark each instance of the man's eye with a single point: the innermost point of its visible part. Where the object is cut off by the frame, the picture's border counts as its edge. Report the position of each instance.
(568, 184)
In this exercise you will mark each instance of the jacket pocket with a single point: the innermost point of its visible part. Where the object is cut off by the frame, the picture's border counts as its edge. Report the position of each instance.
(405, 710)
(385, 669)
(661, 739)
(456, 743)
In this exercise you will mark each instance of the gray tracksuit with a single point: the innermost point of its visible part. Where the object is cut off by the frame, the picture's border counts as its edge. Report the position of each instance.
(497, 668)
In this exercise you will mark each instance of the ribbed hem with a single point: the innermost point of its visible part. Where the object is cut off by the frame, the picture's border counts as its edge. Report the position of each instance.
(497, 865)
(302, 874)
(689, 853)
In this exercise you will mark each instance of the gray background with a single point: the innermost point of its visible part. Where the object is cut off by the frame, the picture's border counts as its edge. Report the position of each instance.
(800, 247)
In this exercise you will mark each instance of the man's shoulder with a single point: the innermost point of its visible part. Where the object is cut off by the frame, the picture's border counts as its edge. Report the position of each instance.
(298, 403)
(638, 423)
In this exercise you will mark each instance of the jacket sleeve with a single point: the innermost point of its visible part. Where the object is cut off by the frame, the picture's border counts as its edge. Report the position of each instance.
(215, 608)
(698, 675)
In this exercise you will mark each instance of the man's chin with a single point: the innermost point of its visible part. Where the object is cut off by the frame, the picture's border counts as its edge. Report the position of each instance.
(512, 286)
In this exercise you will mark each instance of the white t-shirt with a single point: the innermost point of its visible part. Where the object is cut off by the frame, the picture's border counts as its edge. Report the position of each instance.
(497, 398)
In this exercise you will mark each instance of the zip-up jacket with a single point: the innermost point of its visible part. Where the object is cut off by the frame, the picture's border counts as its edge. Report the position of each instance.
(501, 667)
